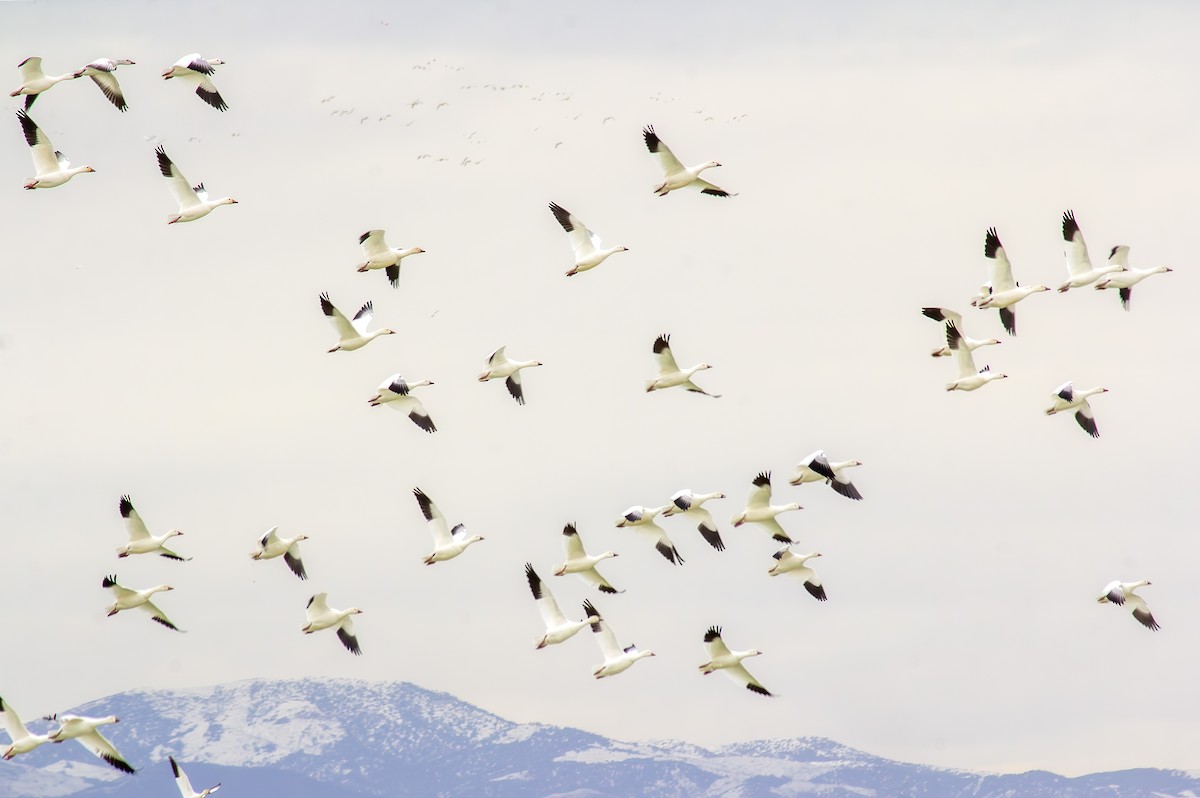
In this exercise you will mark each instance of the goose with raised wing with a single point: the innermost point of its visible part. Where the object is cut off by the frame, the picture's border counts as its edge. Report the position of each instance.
(85, 731)
(500, 366)
(1080, 271)
(616, 659)
(558, 628)
(185, 786)
(1121, 593)
(788, 562)
(586, 244)
(816, 467)
(759, 509)
(380, 256)
(193, 200)
(21, 740)
(641, 520)
(52, 167)
(352, 334)
(197, 71)
(689, 505)
(580, 562)
(34, 81)
(1004, 292)
(968, 378)
(1066, 398)
(447, 543)
(322, 616)
(722, 658)
(140, 539)
(1125, 279)
(945, 314)
(669, 373)
(128, 599)
(273, 545)
(675, 174)
(396, 393)
(101, 71)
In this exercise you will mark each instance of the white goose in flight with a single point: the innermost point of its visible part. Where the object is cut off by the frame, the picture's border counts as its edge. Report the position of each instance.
(198, 71)
(616, 659)
(128, 599)
(447, 543)
(675, 174)
(271, 545)
(669, 373)
(759, 509)
(788, 562)
(586, 244)
(101, 72)
(1080, 271)
(352, 334)
(558, 628)
(140, 539)
(816, 468)
(1125, 279)
(945, 314)
(968, 378)
(1066, 398)
(380, 256)
(85, 731)
(1004, 291)
(322, 616)
(499, 365)
(641, 519)
(396, 393)
(1120, 593)
(580, 562)
(690, 505)
(185, 786)
(193, 200)
(721, 658)
(52, 167)
(34, 81)
(22, 742)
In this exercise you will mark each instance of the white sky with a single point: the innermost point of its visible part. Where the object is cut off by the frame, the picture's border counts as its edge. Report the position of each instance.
(186, 365)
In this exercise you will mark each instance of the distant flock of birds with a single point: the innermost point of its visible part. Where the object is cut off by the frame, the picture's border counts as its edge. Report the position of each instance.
(1001, 292)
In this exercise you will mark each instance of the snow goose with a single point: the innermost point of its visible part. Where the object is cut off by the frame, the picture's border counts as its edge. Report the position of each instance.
(1125, 279)
(1004, 291)
(352, 334)
(968, 378)
(380, 256)
(580, 562)
(616, 659)
(1080, 271)
(101, 72)
(193, 200)
(1121, 592)
(322, 616)
(22, 741)
(787, 562)
(945, 314)
(730, 662)
(185, 786)
(641, 519)
(558, 628)
(395, 392)
(272, 545)
(588, 252)
(669, 373)
(816, 467)
(498, 365)
(34, 81)
(127, 599)
(198, 71)
(759, 509)
(85, 732)
(675, 174)
(689, 505)
(447, 543)
(140, 539)
(52, 167)
(1067, 398)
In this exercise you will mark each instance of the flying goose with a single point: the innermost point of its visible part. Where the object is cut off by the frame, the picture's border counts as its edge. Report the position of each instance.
(272, 545)
(85, 731)
(193, 201)
(127, 599)
(498, 365)
(968, 378)
(395, 392)
(787, 562)
(730, 662)
(689, 505)
(101, 72)
(185, 786)
(52, 167)
(558, 628)
(198, 71)
(352, 334)
(1004, 291)
(1125, 279)
(447, 543)
(322, 616)
(580, 562)
(759, 509)
(380, 256)
(1067, 398)
(945, 314)
(22, 741)
(140, 539)
(616, 659)
(1080, 271)
(588, 252)
(675, 174)
(816, 467)
(34, 81)
(641, 519)
(669, 373)
(1121, 592)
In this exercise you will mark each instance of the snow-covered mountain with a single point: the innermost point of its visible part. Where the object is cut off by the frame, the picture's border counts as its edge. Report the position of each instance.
(342, 738)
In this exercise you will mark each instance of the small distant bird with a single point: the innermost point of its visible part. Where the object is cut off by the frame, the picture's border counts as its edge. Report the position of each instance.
(759, 509)
(786, 562)
(1121, 592)
(945, 314)
(968, 378)
(352, 335)
(1004, 291)
(140, 539)
(101, 72)
(198, 71)
(127, 599)
(730, 662)
(185, 786)
(1067, 398)
(22, 741)
(689, 505)
(34, 81)
(641, 519)
(447, 543)
(1128, 277)
(52, 167)
(816, 467)
(85, 732)
(580, 562)
(616, 659)
(322, 616)
(396, 393)
(669, 373)
(193, 200)
(586, 244)
(1080, 271)
(272, 545)
(675, 174)
(380, 256)
(558, 628)
(498, 365)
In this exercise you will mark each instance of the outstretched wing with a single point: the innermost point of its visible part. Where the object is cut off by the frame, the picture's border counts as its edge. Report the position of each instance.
(662, 353)
(662, 153)
(437, 521)
(999, 268)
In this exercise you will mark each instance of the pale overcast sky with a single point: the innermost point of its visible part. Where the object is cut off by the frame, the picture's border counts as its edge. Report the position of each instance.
(871, 145)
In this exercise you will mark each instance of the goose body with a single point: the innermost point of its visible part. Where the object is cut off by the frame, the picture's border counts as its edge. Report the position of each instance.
(197, 71)
(968, 378)
(675, 174)
(616, 659)
(689, 505)
(580, 562)
(1080, 271)
(558, 628)
(140, 539)
(21, 741)
(396, 393)
(52, 167)
(759, 509)
(128, 599)
(641, 519)
(1003, 292)
(101, 71)
(945, 314)
(729, 662)
(322, 616)
(272, 545)
(193, 200)
(586, 244)
(500, 366)
(447, 543)
(85, 731)
(380, 256)
(185, 786)
(1127, 277)
(1066, 398)
(1121, 593)
(34, 81)
(352, 334)
(816, 468)
(669, 373)
(788, 562)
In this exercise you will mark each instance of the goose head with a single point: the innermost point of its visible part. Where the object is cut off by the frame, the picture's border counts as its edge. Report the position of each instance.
(1162, 269)
(174, 533)
(706, 165)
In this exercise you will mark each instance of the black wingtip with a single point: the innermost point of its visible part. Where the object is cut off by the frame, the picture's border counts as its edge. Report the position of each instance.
(651, 138)
(1069, 226)
(350, 642)
(569, 530)
(174, 766)
(758, 688)
(762, 480)
(712, 634)
(1008, 317)
(425, 503)
(364, 236)
(535, 583)
(662, 342)
(118, 763)
(563, 216)
(164, 162)
(126, 506)
(991, 243)
(933, 313)
(816, 591)
(109, 581)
